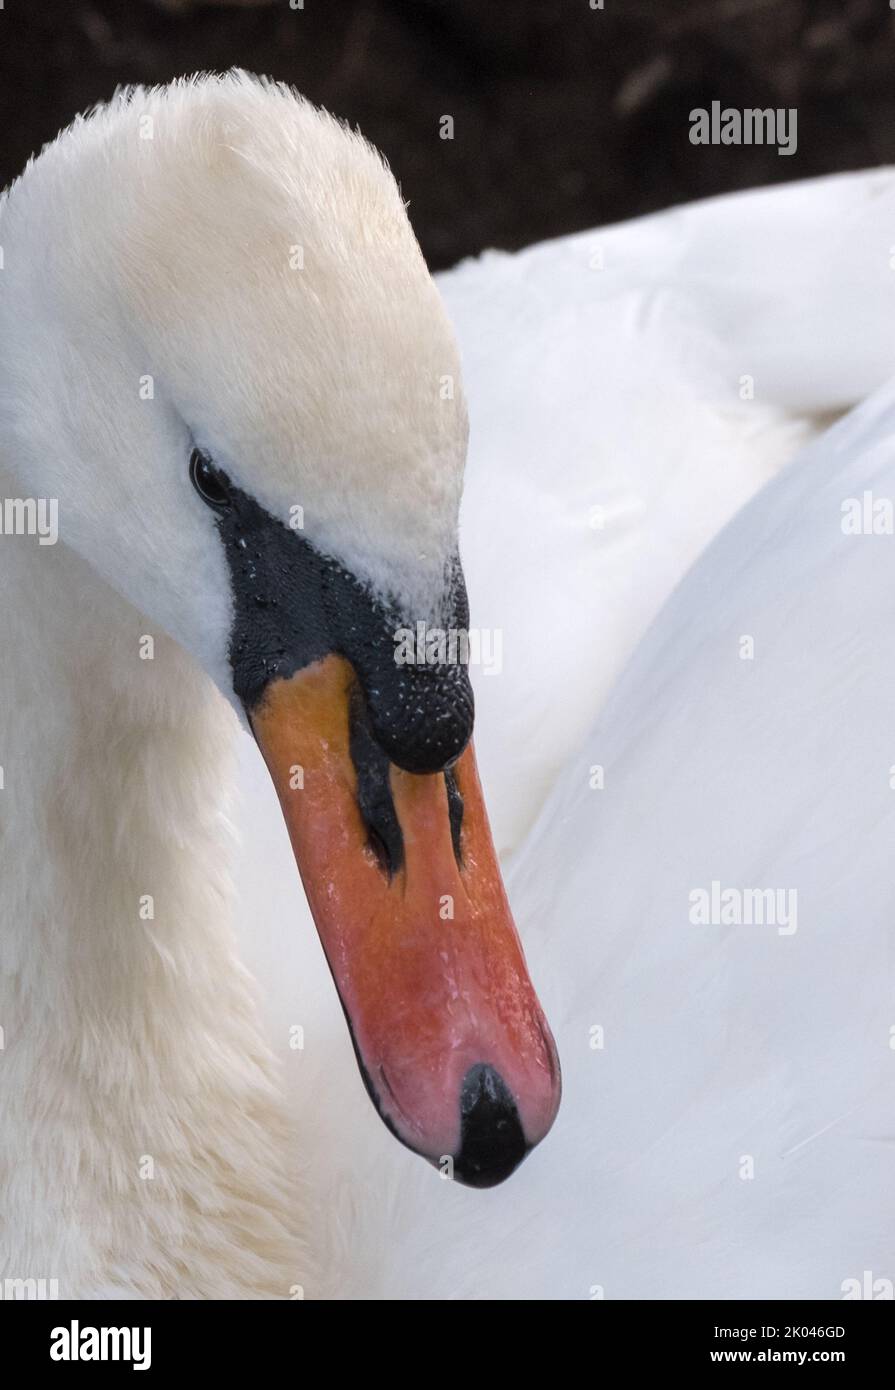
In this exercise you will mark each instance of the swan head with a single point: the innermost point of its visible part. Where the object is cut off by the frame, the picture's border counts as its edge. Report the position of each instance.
(221, 351)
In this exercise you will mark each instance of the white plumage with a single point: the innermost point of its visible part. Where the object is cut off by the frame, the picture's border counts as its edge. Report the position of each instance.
(620, 389)
(606, 377)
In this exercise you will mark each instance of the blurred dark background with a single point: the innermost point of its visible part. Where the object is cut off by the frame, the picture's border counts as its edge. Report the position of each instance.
(565, 116)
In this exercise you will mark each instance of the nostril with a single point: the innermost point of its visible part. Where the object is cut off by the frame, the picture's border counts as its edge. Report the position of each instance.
(374, 796)
(379, 849)
(455, 814)
(492, 1143)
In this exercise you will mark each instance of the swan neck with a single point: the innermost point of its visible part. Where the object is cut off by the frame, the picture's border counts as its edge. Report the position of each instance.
(115, 750)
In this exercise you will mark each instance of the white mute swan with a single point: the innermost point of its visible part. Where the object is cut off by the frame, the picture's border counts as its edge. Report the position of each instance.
(143, 1147)
(222, 355)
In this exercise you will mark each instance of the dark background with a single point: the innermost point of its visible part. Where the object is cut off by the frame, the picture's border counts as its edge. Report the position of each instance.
(565, 117)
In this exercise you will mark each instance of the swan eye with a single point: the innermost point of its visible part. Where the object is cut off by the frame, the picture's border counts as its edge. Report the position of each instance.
(210, 483)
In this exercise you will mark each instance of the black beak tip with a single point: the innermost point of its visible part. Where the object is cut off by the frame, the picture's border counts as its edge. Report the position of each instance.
(492, 1143)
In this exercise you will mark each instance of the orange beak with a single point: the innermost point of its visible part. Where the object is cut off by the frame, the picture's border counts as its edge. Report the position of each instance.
(403, 882)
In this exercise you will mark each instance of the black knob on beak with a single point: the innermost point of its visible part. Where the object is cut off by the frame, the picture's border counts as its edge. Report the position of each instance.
(422, 717)
(420, 707)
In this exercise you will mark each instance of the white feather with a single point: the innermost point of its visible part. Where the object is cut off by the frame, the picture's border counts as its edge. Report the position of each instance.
(612, 394)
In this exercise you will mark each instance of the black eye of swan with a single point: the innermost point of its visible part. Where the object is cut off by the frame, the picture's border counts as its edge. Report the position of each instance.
(210, 483)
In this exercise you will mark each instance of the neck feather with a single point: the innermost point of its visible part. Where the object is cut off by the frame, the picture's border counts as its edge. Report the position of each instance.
(137, 1098)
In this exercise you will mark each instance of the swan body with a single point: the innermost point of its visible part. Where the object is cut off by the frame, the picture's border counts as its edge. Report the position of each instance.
(156, 1125)
(634, 405)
